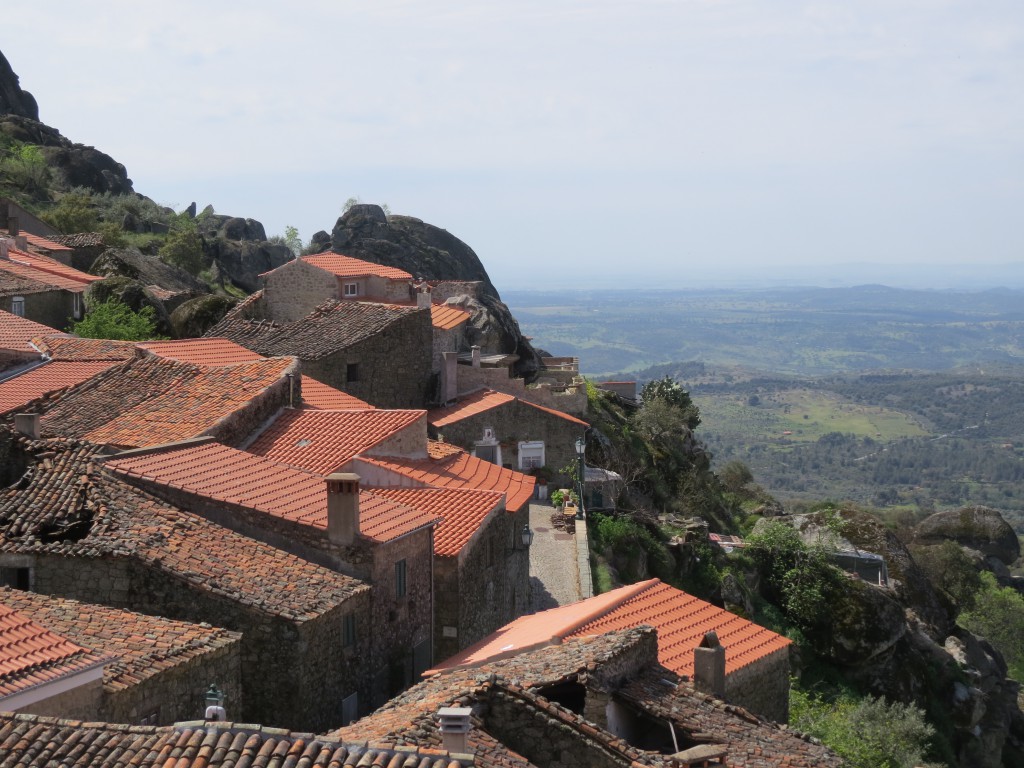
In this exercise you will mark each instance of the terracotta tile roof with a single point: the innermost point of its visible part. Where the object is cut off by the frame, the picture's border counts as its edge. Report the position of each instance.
(319, 396)
(450, 467)
(446, 317)
(483, 400)
(462, 512)
(152, 401)
(79, 239)
(32, 655)
(14, 283)
(72, 507)
(331, 327)
(47, 379)
(681, 620)
(214, 471)
(32, 740)
(138, 646)
(16, 332)
(72, 348)
(346, 266)
(205, 351)
(322, 441)
(44, 243)
(48, 271)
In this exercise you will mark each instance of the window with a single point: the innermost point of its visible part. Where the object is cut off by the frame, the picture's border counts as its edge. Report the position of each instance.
(150, 718)
(18, 306)
(531, 454)
(352, 372)
(77, 306)
(487, 453)
(400, 582)
(348, 630)
(351, 289)
(18, 578)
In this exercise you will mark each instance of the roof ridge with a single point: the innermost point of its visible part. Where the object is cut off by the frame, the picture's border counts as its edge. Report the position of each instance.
(628, 593)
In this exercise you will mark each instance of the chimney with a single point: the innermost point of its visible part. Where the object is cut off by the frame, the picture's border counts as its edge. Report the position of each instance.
(423, 295)
(449, 377)
(27, 424)
(709, 666)
(13, 226)
(476, 355)
(454, 726)
(5, 248)
(342, 507)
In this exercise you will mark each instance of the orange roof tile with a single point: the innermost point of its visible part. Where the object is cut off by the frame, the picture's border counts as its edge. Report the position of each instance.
(319, 396)
(346, 266)
(209, 352)
(680, 619)
(484, 400)
(31, 655)
(446, 317)
(47, 379)
(43, 243)
(64, 347)
(214, 471)
(322, 441)
(462, 511)
(450, 467)
(16, 332)
(47, 270)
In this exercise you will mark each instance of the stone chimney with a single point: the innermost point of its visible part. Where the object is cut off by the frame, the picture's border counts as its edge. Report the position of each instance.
(454, 726)
(13, 226)
(423, 298)
(342, 507)
(449, 377)
(709, 666)
(476, 355)
(5, 248)
(27, 424)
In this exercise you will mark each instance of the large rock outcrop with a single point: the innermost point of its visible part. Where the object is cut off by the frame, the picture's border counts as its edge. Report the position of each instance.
(979, 529)
(14, 100)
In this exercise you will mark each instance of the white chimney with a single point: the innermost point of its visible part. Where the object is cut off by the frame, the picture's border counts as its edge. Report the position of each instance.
(709, 666)
(454, 726)
(342, 507)
(476, 355)
(27, 424)
(423, 297)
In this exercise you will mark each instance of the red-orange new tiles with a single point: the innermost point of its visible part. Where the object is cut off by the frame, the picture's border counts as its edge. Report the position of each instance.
(16, 332)
(346, 266)
(47, 378)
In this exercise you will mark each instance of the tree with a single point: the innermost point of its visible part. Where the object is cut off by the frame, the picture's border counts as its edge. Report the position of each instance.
(671, 392)
(998, 616)
(290, 239)
(184, 246)
(74, 213)
(116, 320)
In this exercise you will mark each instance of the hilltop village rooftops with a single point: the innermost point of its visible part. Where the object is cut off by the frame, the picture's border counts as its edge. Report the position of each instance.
(32, 654)
(136, 646)
(34, 740)
(481, 401)
(16, 333)
(213, 471)
(152, 401)
(72, 348)
(334, 325)
(69, 506)
(322, 441)
(219, 352)
(633, 676)
(680, 619)
(448, 466)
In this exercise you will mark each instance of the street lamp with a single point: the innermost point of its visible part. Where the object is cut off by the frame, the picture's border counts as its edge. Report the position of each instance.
(581, 453)
(526, 536)
(215, 704)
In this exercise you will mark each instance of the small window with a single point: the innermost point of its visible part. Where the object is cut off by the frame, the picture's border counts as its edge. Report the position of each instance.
(18, 578)
(77, 306)
(351, 289)
(18, 306)
(348, 630)
(400, 578)
(531, 454)
(487, 453)
(150, 718)
(352, 372)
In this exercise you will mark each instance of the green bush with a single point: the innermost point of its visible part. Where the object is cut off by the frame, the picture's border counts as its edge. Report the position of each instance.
(184, 246)
(74, 213)
(25, 167)
(998, 616)
(115, 320)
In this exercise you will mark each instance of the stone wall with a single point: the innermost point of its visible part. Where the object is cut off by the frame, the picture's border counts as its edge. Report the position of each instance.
(550, 394)
(84, 702)
(442, 290)
(52, 308)
(762, 686)
(410, 442)
(394, 365)
(293, 291)
(236, 428)
(516, 422)
(450, 340)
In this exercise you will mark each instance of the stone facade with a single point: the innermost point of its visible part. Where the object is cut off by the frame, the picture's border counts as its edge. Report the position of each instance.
(293, 291)
(485, 587)
(54, 308)
(762, 686)
(83, 702)
(572, 399)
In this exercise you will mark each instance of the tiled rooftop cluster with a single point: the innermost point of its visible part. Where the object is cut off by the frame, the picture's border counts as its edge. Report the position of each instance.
(70, 506)
(29, 740)
(16, 333)
(40, 273)
(137, 646)
(332, 326)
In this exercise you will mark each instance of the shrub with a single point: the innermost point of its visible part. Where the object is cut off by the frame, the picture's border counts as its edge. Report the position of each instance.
(115, 320)
(184, 246)
(74, 213)
(998, 616)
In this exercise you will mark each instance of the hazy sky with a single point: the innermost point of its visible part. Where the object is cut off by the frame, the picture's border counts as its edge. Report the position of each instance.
(595, 143)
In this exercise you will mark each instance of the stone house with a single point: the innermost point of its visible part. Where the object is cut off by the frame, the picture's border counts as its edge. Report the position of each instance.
(155, 670)
(508, 431)
(753, 668)
(71, 529)
(379, 353)
(40, 288)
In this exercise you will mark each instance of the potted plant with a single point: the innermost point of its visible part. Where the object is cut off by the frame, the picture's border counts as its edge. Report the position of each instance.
(558, 498)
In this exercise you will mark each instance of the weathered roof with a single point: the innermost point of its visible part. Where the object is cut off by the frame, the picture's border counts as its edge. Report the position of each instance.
(46, 379)
(347, 266)
(448, 466)
(331, 327)
(43, 269)
(138, 646)
(483, 400)
(322, 441)
(32, 654)
(682, 620)
(74, 348)
(14, 283)
(79, 239)
(214, 471)
(151, 401)
(44, 243)
(31, 740)
(16, 332)
(462, 512)
(69, 505)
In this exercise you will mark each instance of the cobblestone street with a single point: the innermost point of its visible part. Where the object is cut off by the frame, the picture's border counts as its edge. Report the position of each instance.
(554, 575)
